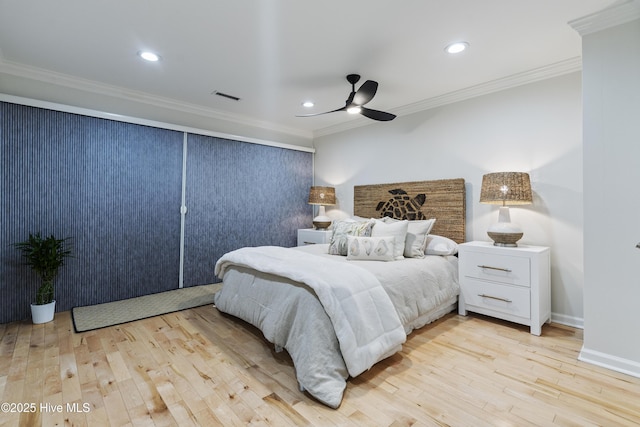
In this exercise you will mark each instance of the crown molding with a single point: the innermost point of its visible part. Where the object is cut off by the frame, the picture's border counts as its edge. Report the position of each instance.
(549, 71)
(91, 86)
(145, 122)
(542, 73)
(619, 13)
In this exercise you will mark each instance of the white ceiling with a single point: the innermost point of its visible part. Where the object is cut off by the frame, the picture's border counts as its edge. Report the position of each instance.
(274, 54)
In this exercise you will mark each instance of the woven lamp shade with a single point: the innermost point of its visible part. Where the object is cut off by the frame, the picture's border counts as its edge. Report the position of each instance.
(506, 188)
(322, 196)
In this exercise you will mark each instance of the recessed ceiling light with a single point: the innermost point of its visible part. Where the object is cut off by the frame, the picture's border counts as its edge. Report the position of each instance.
(456, 47)
(148, 56)
(308, 104)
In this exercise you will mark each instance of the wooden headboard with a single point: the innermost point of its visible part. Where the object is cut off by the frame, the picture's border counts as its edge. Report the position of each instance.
(441, 199)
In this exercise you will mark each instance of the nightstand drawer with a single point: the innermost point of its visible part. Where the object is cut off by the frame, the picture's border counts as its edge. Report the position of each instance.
(310, 236)
(496, 268)
(506, 299)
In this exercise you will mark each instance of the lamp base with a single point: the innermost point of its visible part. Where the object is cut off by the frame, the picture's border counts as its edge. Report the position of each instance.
(505, 239)
(321, 225)
(322, 221)
(505, 232)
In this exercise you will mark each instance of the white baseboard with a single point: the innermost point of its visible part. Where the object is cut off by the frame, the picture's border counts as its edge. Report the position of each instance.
(563, 319)
(598, 358)
(609, 361)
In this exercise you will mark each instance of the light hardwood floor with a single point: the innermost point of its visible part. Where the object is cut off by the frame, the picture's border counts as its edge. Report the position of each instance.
(198, 367)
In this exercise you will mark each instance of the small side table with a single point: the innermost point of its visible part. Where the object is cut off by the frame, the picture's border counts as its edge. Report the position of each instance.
(508, 283)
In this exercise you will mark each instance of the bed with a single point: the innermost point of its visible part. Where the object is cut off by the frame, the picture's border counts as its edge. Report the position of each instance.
(339, 308)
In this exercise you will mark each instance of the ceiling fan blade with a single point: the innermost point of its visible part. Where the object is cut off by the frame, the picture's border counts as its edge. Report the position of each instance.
(358, 98)
(377, 115)
(326, 112)
(365, 93)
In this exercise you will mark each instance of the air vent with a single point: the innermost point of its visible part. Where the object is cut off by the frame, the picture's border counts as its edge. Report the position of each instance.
(225, 95)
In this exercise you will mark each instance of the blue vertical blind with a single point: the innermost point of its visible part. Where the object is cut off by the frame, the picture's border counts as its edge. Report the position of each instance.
(241, 194)
(115, 188)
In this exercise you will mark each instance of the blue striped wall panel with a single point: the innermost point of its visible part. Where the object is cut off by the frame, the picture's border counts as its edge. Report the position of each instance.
(240, 194)
(113, 187)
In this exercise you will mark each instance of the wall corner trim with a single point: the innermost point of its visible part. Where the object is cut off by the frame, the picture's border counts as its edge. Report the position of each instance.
(617, 14)
(609, 361)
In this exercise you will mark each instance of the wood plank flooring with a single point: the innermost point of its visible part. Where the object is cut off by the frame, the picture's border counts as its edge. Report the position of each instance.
(200, 368)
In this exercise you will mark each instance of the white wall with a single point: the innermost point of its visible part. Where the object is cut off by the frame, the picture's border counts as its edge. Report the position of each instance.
(535, 128)
(612, 198)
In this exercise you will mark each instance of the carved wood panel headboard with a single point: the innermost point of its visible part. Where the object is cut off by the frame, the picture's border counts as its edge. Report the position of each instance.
(441, 199)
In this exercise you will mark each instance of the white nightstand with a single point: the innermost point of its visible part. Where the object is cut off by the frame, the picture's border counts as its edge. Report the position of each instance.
(508, 283)
(311, 236)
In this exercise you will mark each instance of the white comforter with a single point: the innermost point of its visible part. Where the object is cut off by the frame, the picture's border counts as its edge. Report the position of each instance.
(363, 317)
(289, 313)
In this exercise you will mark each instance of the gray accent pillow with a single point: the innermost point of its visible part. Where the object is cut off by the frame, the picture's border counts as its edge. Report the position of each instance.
(343, 229)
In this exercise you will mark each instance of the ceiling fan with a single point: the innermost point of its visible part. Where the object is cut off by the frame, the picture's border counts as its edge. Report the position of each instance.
(357, 99)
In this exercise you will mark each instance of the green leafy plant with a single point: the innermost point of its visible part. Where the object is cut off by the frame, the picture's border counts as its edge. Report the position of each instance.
(45, 256)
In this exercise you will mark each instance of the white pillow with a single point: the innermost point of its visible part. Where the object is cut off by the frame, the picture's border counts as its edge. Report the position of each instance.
(439, 245)
(416, 241)
(370, 248)
(396, 229)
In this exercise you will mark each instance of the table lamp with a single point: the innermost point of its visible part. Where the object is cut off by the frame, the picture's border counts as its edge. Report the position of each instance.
(505, 188)
(322, 196)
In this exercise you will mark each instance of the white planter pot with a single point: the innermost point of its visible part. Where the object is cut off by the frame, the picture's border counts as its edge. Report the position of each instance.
(43, 313)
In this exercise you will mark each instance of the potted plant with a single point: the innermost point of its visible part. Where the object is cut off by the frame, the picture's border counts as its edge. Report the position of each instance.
(45, 255)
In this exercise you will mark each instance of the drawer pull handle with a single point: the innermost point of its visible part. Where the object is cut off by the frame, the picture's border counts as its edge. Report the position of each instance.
(495, 268)
(309, 243)
(496, 298)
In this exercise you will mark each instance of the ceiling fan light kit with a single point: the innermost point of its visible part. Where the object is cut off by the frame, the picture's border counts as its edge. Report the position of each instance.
(357, 99)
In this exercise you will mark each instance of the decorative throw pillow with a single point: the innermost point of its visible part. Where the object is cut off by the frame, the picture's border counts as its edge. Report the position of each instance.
(439, 245)
(417, 232)
(396, 229)
(343, 229)
(370, 248)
